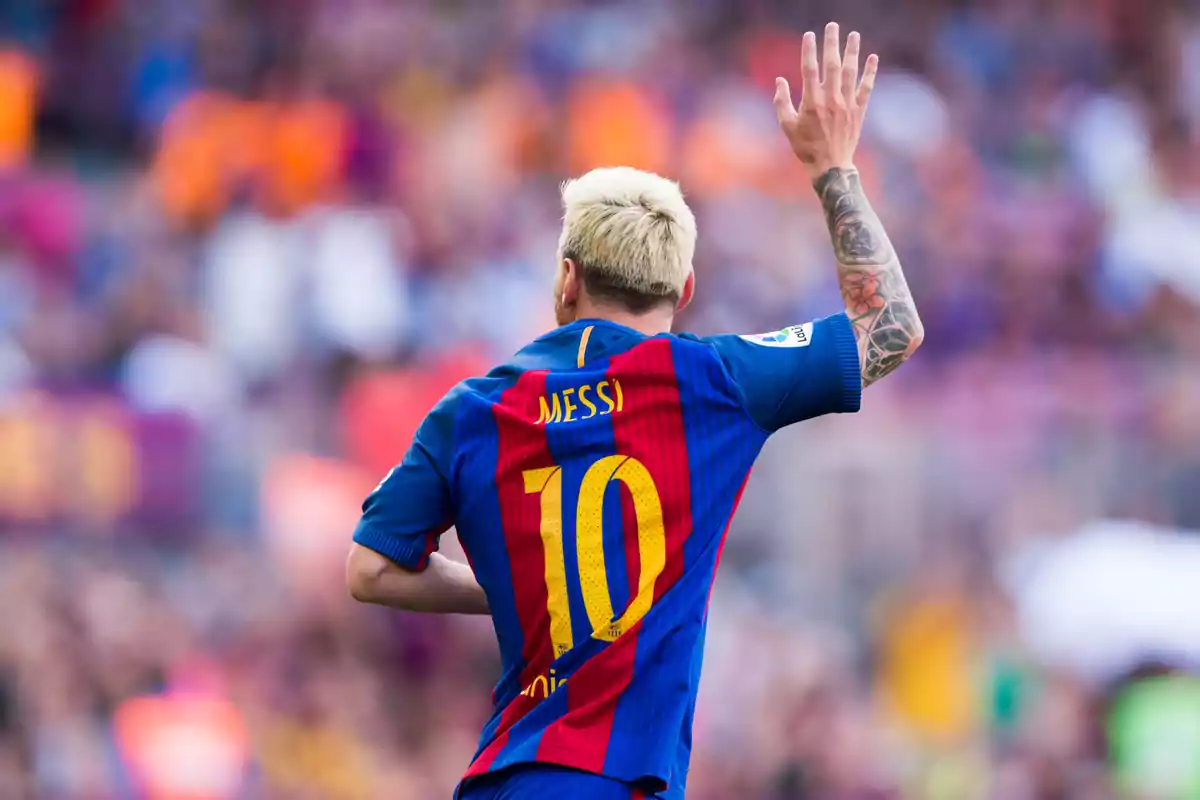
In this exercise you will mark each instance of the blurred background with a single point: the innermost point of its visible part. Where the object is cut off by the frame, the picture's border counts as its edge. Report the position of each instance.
(244, 246)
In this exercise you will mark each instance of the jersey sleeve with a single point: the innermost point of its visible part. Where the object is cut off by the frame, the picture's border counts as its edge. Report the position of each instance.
(405, 516)
(795, 374)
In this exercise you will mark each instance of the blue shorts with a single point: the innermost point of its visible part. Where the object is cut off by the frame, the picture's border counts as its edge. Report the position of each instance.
(547, 782)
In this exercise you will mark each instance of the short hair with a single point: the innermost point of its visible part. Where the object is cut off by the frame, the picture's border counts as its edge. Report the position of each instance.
(631, 235)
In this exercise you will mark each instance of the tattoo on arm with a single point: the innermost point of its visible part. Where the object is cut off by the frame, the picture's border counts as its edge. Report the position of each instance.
(878, 302)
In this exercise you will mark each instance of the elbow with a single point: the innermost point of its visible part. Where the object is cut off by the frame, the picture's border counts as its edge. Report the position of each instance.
(361, 588)
(884, 356)
(908, 320)
(917, 338)
(364, 571)
(916, 335)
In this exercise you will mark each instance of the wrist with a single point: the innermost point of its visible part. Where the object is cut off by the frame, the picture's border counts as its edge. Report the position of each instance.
(824, 179)
(819, 174)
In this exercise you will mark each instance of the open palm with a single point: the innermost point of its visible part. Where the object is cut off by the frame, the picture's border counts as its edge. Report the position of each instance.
(825, 129)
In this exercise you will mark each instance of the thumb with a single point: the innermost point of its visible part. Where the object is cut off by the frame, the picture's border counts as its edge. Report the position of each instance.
(783, 100)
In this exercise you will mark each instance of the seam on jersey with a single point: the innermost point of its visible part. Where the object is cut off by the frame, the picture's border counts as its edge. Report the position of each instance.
(470, 394)
(738, 395)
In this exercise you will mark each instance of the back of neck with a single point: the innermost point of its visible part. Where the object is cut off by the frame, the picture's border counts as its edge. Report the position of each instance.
(650, 323)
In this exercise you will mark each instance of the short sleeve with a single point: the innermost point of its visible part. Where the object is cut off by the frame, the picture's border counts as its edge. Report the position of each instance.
(798, 373)
(406, 514)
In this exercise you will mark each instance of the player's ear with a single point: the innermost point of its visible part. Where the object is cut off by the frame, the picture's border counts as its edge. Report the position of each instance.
(689, 291)
(571, 283)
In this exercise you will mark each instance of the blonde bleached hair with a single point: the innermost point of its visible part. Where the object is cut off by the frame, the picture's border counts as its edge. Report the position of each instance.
(630, 233)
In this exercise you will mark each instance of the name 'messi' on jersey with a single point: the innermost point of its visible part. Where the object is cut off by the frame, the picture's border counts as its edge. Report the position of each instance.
(581, 402)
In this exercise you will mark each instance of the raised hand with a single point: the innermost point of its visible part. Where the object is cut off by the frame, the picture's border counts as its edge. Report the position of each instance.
(824, 133)
(825, 129)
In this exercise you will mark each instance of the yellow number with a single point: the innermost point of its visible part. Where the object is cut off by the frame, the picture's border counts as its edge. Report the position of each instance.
(589, 532)
(548, 482)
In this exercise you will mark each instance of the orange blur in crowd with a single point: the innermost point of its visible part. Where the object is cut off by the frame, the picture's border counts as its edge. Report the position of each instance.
(18, 96)
(291, 153)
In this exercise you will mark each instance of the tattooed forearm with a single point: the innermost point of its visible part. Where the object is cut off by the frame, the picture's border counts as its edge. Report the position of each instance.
(877, 299)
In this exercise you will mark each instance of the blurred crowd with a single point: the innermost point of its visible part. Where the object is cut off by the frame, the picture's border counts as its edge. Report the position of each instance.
(245, 245)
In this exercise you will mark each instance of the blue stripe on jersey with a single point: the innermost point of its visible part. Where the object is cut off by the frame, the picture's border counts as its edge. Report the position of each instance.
(728, 450)
(709, 435)
(619, 588)
(481, 541)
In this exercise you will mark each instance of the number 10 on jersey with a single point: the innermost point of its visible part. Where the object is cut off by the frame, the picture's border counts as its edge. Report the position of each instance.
(589, 544)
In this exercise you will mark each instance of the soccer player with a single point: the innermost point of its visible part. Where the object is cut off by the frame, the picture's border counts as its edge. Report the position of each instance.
(592, 478)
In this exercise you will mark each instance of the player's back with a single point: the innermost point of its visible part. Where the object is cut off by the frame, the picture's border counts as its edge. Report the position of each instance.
(591, 481)
(613, 462)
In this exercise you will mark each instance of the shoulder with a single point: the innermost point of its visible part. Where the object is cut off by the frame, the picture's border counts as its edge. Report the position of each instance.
(690, 347)
(467, 393)
(703, 357)
(438, 431)
(474, 395)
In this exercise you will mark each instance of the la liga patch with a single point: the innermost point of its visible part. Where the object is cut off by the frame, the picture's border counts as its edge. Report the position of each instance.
(792, 336)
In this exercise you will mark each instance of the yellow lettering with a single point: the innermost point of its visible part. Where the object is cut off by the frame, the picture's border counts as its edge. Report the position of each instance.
(568, 406)
(620, 396)
(549, 685)
(602, 390)
(545, 414)
(583, 390)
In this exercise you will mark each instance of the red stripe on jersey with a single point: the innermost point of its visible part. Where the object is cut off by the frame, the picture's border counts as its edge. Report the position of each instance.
(650, 428)
(522, 446)
(579, 738)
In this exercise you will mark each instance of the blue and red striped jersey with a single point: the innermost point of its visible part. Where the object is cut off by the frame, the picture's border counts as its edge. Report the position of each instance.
(591, 481)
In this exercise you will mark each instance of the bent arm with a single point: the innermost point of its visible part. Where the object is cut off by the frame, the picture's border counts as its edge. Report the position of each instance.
(443, 587)
(878, 302)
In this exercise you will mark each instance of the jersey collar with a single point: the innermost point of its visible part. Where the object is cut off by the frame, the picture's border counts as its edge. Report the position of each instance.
(580, 324)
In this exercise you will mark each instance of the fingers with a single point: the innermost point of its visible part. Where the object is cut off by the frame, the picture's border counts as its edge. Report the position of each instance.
(783, 101)
(868, 80)
(841, 75)
(809, 69)
(833, 58)
(849, 77)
